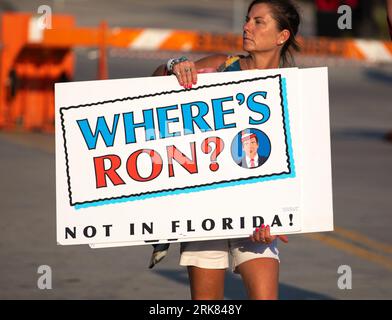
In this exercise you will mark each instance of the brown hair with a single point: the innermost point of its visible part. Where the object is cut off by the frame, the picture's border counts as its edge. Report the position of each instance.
(287, 17)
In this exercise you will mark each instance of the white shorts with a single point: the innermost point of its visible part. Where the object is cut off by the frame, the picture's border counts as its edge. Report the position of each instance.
(214, 254)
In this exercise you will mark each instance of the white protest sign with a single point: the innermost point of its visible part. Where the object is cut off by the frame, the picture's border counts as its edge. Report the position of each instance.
(136, 164)
(315, 156)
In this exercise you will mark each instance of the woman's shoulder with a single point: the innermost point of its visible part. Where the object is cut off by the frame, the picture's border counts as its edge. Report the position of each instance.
(232, 63)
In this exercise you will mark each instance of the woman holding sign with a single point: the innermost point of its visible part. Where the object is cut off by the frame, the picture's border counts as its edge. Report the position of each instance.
(268, 37)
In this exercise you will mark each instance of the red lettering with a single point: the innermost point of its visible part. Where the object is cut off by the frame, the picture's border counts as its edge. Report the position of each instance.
(156, 161)
(189, 164)
(101, 172)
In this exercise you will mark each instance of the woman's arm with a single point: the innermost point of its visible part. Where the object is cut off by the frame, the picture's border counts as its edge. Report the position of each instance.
(160, 71)
(186, 71)
(213, 61)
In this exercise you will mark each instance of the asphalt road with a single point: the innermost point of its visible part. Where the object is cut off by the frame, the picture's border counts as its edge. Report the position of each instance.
(361, 114)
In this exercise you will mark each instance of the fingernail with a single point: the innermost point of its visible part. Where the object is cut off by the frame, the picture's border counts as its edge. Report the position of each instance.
(268, 226)
(257, 229)
(262, 226)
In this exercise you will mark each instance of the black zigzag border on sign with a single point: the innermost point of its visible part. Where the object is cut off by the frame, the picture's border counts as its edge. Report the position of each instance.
(62, 109)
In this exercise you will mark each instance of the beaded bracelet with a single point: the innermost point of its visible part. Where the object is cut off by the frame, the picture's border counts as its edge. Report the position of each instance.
(172, 62)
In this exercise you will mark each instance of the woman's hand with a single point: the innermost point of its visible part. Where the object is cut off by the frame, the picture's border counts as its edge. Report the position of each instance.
(263, 235)
(186, 73)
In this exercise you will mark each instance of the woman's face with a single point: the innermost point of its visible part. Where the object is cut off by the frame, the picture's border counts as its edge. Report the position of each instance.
(261, 33)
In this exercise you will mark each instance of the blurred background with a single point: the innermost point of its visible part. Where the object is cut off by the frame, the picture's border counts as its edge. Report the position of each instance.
(77, 40)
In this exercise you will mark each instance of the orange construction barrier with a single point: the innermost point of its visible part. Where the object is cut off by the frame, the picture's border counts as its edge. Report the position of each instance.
(28, 72)
(33, 59)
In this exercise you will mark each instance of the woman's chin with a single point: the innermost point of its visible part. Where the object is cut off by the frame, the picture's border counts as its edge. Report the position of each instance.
(246, 46)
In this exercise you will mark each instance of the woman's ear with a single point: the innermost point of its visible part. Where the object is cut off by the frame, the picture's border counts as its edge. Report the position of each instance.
(283, 36)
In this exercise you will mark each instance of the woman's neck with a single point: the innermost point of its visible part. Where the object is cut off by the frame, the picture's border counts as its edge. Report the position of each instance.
(267, 60)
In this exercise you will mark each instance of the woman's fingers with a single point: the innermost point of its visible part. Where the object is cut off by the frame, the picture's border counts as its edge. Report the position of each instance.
(177, 72)
(194, 73)
(285, 239)
(255, 237)
(186, 73)
(263, 235)
(190, 73)
(259, 235)
(268, 238)
(282, 238)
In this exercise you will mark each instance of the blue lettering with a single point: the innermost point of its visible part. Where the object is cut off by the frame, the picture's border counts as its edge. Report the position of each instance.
(219, 113)
(258, 107)
(147, 124)
(198, 119)
(164, 121)
(101, 128)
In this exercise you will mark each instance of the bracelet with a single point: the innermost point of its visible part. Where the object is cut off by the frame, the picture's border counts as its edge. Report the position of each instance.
(172, 62)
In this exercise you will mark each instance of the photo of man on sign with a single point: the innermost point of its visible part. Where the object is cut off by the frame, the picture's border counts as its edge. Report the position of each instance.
(251, 158)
